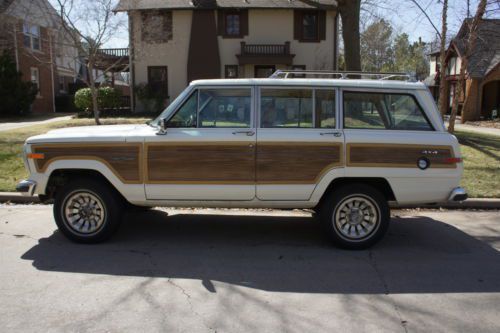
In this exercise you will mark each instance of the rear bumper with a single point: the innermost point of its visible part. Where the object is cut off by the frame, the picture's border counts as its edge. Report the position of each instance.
(458, 194)
(26, 187)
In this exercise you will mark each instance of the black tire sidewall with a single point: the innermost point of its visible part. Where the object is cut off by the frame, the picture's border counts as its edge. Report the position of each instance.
(110, 200)
(331, 204)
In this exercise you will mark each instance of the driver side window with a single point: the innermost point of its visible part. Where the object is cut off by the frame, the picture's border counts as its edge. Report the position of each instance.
(186, 115)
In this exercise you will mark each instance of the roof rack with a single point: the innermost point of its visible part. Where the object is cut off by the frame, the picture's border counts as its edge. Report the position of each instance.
(286, 74)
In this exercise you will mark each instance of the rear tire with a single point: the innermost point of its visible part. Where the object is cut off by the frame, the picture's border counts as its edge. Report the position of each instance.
(87, 211)
(355, 216)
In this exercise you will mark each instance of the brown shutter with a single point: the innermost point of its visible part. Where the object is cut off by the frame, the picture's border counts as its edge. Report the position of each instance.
(297, 25)
(244, 23)
(220, 23)
(322, 25)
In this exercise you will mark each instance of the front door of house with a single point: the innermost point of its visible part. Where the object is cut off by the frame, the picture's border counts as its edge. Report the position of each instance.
(264, 71)
(208, 152)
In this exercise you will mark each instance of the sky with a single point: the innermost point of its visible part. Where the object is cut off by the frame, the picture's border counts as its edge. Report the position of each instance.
(406, 17)
(403, 14)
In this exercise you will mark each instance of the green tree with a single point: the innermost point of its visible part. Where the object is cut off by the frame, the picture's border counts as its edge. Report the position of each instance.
(410, 58)
(16, 95)
(376, 47)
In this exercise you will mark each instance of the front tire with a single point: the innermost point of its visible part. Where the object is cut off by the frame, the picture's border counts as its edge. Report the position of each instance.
(87, 211)
(355, 216)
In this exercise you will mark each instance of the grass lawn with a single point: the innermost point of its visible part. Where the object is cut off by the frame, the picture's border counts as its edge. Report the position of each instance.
(481, 155)
(11, 144)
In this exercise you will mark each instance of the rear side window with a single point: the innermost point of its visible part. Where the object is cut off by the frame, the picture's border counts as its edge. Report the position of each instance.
(286, 108)
(383, 111)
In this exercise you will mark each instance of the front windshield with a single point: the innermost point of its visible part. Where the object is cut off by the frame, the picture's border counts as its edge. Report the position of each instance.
(171, 107)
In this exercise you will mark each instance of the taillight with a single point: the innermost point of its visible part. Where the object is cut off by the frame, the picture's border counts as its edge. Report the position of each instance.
(453, 160)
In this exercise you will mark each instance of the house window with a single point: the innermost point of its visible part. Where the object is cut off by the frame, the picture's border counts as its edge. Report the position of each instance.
(232, 71)
(233, 23)
(35, 78)
(158, 80)
(156, 26)
(310, 26)
(31, 36)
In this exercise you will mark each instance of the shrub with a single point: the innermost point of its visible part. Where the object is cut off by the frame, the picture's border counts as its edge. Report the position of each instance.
(107, 98)
(16, 95)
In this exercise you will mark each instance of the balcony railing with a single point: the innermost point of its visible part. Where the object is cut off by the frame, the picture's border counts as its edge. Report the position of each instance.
(265, 49)
(265, 54)
(122, 52)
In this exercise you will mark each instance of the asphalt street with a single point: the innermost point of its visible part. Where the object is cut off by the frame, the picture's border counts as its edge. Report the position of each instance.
(249, 271)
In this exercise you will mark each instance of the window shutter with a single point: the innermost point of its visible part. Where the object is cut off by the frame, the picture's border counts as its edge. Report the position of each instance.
(220, 23)
(244, 23)
(297, 25)
(322, 25)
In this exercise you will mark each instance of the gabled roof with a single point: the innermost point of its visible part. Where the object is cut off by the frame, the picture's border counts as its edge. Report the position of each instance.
(486, 54)
(126, 5)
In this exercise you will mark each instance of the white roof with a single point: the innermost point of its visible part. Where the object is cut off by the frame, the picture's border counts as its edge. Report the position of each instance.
(352, 83)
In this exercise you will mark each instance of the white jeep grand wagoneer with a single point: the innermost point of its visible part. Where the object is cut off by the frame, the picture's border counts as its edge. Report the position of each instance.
(343, 147)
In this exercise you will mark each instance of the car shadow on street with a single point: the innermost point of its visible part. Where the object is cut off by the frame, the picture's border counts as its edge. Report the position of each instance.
(281, 254)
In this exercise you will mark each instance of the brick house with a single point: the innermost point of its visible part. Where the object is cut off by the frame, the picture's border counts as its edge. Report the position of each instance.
(31, 33)
(482, 86)
(175, 42)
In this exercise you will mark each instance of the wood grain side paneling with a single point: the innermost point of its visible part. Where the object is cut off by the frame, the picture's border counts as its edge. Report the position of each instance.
(124, 160)
(397, 155)
(201, 163)
(296, 163)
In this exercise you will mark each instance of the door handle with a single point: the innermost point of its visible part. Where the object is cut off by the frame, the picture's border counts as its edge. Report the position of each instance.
(248, 133)
(335, 134)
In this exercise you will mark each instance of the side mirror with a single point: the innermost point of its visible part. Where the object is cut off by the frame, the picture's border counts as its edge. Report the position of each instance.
(163, 127)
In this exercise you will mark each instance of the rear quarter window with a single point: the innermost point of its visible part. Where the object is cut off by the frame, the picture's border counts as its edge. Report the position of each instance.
(390, 111)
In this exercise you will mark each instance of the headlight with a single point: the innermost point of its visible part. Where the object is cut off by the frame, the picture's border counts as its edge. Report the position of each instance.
(25, 158)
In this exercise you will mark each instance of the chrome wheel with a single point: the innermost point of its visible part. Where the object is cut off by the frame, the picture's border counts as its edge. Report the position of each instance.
(356, 217)
(84, 212)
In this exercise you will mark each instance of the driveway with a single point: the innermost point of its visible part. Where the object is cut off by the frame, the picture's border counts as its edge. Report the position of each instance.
(250, 271)
(20, 124)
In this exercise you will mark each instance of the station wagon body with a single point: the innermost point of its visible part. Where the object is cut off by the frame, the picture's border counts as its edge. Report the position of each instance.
(273, 143)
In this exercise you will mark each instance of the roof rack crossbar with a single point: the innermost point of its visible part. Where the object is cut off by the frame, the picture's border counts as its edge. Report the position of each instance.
(285, 74)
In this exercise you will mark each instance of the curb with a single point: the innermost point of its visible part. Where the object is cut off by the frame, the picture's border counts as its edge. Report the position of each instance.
(473, 203)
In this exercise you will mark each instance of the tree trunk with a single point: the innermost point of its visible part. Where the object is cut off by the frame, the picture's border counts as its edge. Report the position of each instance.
(469, 46)
(442, 72)
(349, 12)
(93, 92)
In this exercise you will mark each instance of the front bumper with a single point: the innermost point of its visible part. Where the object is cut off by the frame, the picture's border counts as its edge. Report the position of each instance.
(26, 187)
(458, 194)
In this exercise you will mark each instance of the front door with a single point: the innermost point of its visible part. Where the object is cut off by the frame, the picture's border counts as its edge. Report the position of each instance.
(208, 152)
(298, 141)
(264, 71)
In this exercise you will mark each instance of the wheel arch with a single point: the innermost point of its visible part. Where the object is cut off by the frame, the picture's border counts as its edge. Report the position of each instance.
(58, 177)
(379, 183)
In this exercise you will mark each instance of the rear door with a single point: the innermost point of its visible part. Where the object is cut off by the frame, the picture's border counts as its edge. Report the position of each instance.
(298, 140)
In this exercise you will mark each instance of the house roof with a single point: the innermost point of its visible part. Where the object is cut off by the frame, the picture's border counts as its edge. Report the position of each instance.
(4, 4)
(126, 5)
(486, 54)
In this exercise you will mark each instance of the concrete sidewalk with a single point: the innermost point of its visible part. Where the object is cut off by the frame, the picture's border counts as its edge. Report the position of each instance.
(15, 125)
(476, 129)
(473, 203)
